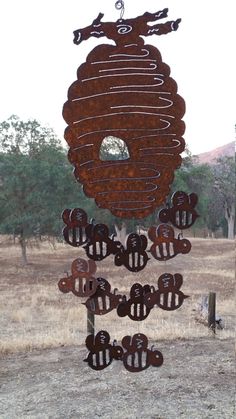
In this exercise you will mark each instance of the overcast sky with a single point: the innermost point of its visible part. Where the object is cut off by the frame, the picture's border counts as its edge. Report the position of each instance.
(39, 60)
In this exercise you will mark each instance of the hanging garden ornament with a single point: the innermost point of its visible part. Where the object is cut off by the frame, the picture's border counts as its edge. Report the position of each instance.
(103, 301)
(137, 356)
(165, 246)
(124, 95)
(182, 214)
(135, 307)
(101, 351)
(168, 295)
(81, 281)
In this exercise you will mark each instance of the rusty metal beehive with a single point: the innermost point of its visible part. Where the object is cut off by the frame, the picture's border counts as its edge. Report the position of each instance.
(125, 91)
(124, 94)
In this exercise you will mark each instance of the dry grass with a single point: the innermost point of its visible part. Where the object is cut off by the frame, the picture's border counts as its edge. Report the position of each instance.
(35, 314)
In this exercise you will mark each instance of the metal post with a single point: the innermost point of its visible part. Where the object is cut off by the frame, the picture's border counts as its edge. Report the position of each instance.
(90, 323)
(212, 311)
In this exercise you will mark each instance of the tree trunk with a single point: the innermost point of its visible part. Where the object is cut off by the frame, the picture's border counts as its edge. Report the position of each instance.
(231, 228)
(23, 249)
(230, 218)
(121, 233)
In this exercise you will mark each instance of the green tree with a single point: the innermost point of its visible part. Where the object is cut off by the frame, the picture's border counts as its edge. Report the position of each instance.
(197, 178)
(224, 190)
(36, 182)
(113, 148)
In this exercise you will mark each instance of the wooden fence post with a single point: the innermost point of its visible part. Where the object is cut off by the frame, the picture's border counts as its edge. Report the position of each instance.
(212, 311)
(90, 323)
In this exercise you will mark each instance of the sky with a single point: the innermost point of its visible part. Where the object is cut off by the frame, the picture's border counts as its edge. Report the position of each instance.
(39, 59)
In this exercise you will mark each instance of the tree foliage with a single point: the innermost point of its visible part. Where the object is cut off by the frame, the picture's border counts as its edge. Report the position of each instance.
(36, 184)
(36, 180)
(215, 187)
(224, 190)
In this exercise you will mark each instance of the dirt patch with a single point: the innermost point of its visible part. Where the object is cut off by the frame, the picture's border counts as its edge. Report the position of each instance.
(43, 332)
(195, 381)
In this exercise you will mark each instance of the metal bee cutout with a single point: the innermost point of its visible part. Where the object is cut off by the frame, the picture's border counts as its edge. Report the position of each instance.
(134, 257)
(125, 91)
(137, 356)
(99, 245)
(182, 213)
(124, 95)
(165, 246)
(103, 301)
(75, 233)
(135, 307)
(134, 352)
(101, 351)
(81, 283)
(168, 295)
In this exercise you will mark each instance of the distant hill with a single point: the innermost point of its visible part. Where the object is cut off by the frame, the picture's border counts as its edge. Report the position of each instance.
(210, 156)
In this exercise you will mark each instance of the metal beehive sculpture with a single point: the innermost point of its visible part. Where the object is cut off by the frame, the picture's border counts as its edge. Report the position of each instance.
(125, 91)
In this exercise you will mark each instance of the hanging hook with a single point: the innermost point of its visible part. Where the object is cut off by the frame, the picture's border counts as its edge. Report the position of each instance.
(120, 5)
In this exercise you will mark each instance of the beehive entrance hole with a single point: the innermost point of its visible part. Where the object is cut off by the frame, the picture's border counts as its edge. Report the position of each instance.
(113, 148)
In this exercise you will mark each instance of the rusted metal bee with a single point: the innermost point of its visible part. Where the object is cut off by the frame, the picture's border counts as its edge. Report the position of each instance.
(165, 246)
(134, 257)
(125, 91)
(168, 295)
(76, 232)
(135, 308)
(102, 352)
(99, 244)
(182, 213)
(103, 301)
(81, 283)
(137, 357)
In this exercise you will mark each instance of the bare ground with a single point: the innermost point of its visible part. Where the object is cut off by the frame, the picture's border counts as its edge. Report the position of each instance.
(42, 373)
(195, 381)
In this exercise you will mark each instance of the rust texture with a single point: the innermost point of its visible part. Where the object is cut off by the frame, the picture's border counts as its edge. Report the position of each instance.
(99, 245)
(137, 357)
(102, 352)
(168, 295)
(75, 232)
(134, 257)
(124, 94)
(125, 91)
(81, 281)
(135, 308)
(165, 246)
(142, 299)
(182, 213)
(103, 301)
(134, 352)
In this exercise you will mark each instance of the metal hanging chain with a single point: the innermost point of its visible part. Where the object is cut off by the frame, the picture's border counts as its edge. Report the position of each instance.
(120, 5)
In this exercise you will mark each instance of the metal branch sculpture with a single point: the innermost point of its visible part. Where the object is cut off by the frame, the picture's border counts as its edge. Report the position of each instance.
(130, 29)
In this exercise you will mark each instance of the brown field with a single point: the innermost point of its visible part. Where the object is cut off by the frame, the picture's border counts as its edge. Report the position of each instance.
(43, 331)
